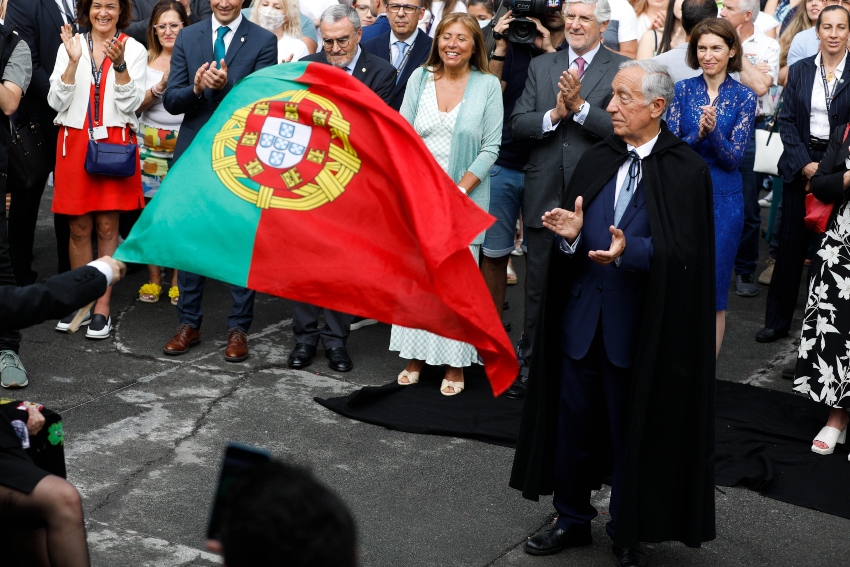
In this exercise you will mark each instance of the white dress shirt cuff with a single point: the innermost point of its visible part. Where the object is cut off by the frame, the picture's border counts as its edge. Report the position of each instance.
(104, 269)
(566, 247)
(547, 122)
(581, 116)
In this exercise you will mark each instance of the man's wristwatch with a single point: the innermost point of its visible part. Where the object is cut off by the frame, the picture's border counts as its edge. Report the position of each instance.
(494, 57)
(120, 68)
(497, 35)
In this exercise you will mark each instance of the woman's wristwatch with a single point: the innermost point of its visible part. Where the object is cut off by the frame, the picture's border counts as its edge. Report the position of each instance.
(120, 67)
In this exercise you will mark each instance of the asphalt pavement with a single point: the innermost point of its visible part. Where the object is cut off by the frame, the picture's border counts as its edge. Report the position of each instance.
(145, 434)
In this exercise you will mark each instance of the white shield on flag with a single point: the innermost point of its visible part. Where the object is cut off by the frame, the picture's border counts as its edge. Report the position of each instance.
(283, 142)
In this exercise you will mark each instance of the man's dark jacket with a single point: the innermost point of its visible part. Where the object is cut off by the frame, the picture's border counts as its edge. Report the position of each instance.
(668, 481)
(380, 46)
(371, 70)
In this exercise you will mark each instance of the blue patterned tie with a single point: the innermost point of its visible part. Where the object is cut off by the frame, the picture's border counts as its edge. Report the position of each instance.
(626, 191)
(402, 49)
(219, 50)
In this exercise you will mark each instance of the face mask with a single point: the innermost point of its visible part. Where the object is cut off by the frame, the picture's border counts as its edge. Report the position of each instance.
(484, 23)
(270, 18)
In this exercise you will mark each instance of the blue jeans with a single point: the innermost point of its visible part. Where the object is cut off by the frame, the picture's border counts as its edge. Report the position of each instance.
(507, 187)
(748, 247)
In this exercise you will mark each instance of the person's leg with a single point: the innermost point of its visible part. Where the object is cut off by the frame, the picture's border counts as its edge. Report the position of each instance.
(454, 375)
(719, 331)
(107, 242)
(23, 215)
(242, 308)
(617, 383)
(748, 246)
(55, 504)
(838, 419)
(12, 372)
(79, 250)
(538, 246)
(506, 192)
(793, 245)
(336, 330)
(62, 232)
(305, 323)
(189, 310)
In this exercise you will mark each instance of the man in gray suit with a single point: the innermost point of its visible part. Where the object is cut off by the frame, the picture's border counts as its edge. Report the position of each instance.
(561, 114)
(197, 10)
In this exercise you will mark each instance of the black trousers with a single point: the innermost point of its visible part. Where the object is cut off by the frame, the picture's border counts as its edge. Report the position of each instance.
(793, 243)
(9, 340)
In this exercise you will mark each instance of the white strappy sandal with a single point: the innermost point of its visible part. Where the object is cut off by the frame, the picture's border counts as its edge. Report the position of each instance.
(412, 378)
(457, 387)
(829, 436)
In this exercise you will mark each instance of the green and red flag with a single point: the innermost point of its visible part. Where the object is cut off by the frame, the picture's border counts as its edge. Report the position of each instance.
(303, 156)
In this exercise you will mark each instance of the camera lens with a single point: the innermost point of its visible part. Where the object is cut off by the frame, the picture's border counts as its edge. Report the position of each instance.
(524, 30)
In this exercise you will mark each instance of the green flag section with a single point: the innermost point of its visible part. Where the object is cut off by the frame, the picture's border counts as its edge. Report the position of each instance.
(301, 155)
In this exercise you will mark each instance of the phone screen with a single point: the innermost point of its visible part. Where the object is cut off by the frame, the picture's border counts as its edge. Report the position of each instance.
(238, 459)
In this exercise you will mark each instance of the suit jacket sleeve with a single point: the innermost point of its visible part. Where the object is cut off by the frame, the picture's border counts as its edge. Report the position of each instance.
(828, 182)
(491, 128)
(385, 84)
(26, 306)
(19, 14)
(796, 149)
(138, 28)
(527, 120)
(179, 96)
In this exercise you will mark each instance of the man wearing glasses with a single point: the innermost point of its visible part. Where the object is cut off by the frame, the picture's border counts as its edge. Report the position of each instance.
(381, 25)
(806, 43)
(404, 45)
(340, 29)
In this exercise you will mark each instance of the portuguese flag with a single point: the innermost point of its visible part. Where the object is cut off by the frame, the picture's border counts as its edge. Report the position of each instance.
(301, 155)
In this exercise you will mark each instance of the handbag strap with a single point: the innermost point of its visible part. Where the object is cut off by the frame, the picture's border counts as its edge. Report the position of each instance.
(775, 120)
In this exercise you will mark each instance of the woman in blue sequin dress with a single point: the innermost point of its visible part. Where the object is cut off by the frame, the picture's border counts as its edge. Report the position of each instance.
(715, 115)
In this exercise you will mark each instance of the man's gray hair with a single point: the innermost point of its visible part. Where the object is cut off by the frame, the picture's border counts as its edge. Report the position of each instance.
(656, 83)
(603, 9)
(338, 12)
(752, 6)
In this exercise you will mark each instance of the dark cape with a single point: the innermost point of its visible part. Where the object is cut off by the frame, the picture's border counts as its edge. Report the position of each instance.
(668, 481)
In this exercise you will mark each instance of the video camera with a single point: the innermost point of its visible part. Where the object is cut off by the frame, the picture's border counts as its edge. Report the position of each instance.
(521, 29)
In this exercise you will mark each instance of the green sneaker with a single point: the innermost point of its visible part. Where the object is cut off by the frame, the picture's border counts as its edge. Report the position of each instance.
(12, 373)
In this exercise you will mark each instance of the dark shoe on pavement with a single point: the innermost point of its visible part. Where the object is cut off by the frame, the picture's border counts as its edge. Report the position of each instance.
(64, 323)
(789, 372)
(338, 359)
(301, 356)
(237, 346)
(360, 322)
(767, 274)
(745, 286)
(99, 327)
(186, 336)
(629, 557)
(517, 389)
(767, 335)
(556, 540)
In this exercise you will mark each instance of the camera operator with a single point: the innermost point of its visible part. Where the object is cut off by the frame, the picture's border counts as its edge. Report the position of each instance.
(509, 62)
(560, 114)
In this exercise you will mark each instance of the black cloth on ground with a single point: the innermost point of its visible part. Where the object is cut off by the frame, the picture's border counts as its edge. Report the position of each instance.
(763, 437)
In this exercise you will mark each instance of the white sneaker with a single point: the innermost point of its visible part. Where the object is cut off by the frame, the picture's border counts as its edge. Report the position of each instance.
(99, 327)
(63, 325)
(765, 203)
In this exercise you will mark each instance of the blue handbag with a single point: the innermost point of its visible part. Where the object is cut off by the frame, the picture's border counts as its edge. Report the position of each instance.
(115, 160)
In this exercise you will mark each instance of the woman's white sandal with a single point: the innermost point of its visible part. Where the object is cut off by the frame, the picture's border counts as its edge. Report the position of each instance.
(412, 378)
(457, 387)
(829, 436)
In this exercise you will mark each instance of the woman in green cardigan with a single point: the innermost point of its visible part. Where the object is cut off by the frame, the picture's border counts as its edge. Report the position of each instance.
(455, 104)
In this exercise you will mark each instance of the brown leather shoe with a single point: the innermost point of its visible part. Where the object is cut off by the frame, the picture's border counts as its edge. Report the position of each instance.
(237, 346)
(185, 337)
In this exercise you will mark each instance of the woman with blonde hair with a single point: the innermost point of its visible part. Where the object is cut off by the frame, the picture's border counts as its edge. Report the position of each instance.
(282, 18)
(455, 105)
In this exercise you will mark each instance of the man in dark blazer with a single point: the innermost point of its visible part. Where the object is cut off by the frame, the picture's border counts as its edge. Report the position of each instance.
(631, 266)
(38, 23)
(341, 32)
(381, 24)
(404, 46)
(560, 115)
(197, 10)
(208, 59)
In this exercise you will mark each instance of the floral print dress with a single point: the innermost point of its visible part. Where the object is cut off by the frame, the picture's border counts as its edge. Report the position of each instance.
(823, 362)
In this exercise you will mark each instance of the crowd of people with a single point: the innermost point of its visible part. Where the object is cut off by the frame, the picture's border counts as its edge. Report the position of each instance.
(620, 138)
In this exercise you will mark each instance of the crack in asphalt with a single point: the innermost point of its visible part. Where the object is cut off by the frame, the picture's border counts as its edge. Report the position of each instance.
(549, 520)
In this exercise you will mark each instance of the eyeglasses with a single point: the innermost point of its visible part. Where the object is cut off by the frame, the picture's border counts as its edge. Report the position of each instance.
(341, 42)
(174, 26)
(362, 7)
(582, 20)
(408, 8)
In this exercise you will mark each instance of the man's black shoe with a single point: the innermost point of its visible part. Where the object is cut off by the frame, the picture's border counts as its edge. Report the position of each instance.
(517, 389)
(338, 359)
(768, 335)
(629, 556)
(557, 540)
(302, 355)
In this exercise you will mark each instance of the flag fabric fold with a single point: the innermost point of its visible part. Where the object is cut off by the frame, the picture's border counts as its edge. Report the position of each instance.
(302, 156)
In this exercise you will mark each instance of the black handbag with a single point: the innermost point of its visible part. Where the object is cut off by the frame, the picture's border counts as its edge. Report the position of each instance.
(115, 160)
(26, 150)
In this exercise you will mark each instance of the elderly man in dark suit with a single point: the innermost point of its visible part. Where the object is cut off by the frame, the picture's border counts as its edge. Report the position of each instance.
(341, 33)
(560, 114)
(38, 23)
(197, 10)
(208, 59)
(405, 46)
(632, 265)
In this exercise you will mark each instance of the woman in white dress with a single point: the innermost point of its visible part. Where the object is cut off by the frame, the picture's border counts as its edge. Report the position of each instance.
(282, 18)
(157, 128)
(455, 105)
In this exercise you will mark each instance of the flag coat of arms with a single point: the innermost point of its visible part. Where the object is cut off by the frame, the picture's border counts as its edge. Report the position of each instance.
(301, 155)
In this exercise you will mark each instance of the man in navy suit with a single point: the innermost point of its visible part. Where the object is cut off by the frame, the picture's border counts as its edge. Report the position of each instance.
(341, 33)
(208, 59)
(611, 362)
(405, 46)
(381, 24)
